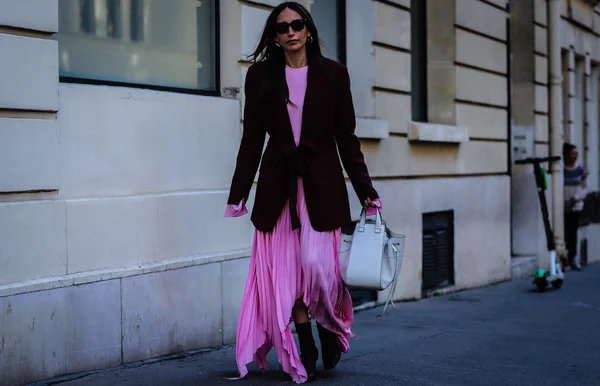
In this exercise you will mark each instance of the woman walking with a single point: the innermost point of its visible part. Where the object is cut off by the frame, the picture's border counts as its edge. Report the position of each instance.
(575, 190)
(303, 101)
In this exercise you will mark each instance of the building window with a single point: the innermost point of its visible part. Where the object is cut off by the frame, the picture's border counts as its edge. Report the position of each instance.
(593, 155)
(418, 18)
(151, 43)
(566, 75)
(329, 16)
(579, 118)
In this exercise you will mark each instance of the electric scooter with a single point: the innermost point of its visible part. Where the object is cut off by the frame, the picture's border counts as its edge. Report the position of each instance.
(555, 276)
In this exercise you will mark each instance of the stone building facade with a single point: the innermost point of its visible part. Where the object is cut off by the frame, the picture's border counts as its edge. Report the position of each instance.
(120, 121)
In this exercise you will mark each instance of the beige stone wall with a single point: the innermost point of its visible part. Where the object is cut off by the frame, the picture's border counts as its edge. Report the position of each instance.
(478, 101)
(95, 206)
(592, 234)
(482, 94)
(581, 60)
(29, 147)
(393, 71)
(542, 129)
(481, 226)
(31, 223)
(581, 63)
(467, 88)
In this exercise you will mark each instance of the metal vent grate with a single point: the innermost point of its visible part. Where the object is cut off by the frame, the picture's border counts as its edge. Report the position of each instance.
(438, 250)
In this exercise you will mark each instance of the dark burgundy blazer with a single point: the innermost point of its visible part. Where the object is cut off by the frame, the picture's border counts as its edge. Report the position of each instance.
(328, 125)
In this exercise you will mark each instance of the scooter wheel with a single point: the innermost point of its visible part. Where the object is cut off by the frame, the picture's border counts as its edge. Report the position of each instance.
(556, 284)
(540, 284)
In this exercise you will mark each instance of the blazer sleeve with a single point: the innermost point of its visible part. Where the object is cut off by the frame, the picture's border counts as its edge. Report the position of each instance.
(252, 143)
(348, 143)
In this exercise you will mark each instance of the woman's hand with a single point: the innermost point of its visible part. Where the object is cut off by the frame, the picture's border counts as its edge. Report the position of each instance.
(371, 206)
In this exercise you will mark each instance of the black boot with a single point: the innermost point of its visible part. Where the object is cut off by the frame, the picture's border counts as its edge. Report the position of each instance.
(308, 350)
(330, 348)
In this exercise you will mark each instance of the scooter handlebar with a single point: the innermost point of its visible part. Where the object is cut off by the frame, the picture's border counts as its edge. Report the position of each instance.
(537, 160)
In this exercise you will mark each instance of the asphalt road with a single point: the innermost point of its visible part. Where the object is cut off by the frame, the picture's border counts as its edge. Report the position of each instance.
(500, 335)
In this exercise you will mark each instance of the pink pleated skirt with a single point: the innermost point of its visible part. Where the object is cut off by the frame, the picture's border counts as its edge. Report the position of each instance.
(287, 265)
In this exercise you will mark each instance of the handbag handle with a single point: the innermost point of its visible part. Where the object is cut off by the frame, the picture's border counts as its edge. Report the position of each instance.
(363, 220)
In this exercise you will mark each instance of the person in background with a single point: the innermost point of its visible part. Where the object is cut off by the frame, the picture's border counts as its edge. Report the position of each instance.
(575, 191)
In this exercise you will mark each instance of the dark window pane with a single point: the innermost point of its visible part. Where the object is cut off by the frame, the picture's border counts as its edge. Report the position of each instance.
(418, 21)
(328, 19)
(153, 42)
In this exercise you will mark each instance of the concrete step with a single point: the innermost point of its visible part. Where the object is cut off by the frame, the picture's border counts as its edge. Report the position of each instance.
(523, 266)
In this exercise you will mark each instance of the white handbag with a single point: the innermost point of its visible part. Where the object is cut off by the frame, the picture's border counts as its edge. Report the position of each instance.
(372, 256)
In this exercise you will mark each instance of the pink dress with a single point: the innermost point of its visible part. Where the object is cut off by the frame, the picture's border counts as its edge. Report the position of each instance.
(286, 265)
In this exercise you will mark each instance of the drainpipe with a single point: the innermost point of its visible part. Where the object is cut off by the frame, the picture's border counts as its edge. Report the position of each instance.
(556, 140)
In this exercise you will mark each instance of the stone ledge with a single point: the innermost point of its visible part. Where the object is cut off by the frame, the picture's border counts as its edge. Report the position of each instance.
(433, 132)
(522, 267)
(118, 273)
(369, 128)
(34, 15)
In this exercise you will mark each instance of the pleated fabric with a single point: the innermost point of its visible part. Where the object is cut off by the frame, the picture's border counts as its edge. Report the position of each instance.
(286, 265)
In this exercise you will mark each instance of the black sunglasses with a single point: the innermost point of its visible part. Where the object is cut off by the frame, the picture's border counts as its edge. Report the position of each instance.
(297, 25)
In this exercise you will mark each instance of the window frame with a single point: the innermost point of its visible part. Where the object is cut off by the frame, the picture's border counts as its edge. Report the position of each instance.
(180, 90)
(341, 31)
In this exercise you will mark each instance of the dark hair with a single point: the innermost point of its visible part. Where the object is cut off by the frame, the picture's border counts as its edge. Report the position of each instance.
(567, 149)
(267, 51)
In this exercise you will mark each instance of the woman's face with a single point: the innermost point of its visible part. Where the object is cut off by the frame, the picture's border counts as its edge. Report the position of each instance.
(291, 32)
(574, 155)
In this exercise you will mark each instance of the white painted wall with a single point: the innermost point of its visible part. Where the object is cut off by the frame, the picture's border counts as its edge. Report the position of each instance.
(29, 155)
(38, 15)
(592, 234)
(27, 83)
(144, 177)
(122, 141)
(104, 323)
(253, 22)
(481, 208)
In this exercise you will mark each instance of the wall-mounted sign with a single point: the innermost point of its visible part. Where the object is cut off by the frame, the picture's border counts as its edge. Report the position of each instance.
(522, 142)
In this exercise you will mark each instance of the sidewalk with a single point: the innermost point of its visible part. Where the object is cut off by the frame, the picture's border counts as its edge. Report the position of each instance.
(501, 335)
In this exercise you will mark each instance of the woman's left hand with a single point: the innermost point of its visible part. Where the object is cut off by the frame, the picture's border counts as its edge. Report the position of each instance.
(369, 203)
